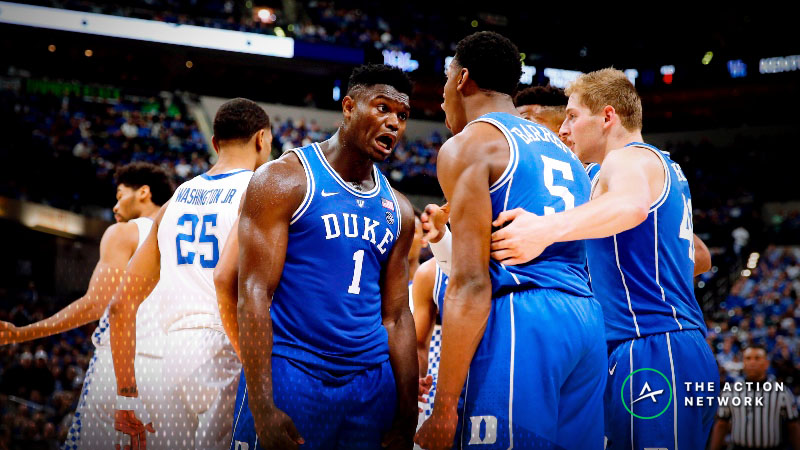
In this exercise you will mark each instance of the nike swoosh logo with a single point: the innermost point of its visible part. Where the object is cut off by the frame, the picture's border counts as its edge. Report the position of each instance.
(611, 370)
(328, 194)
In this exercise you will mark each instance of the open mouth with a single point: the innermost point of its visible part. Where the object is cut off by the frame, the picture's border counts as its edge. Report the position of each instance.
(385, 142)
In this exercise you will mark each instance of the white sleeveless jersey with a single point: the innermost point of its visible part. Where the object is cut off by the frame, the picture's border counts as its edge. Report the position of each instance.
(145, 325)
(191, 236)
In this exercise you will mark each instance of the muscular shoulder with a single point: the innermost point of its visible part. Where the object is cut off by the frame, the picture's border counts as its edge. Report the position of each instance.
(426, 274)
(478, 141)
(479, 146)
(120, 237)
(278, 184)
(632, 158)
(407, 213)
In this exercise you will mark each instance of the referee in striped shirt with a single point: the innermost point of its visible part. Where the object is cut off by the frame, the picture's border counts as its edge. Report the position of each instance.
(752, 426)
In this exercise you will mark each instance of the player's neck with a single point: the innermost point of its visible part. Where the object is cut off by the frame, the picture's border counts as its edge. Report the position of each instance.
(234, 157)
(488, 102)
(150, 210)
(346, 159)
(621, 138)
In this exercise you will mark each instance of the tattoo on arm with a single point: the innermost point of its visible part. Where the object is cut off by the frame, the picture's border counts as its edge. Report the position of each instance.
(129, 390)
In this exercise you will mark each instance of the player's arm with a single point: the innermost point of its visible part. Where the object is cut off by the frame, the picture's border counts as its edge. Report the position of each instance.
(721, 429)
(140, 277)
(274, 193)
(702, 257)
(226, 283)
(463, 170)
(624, 203)
(424, 311)
(399, 324)
(116, 247)
(434, 226)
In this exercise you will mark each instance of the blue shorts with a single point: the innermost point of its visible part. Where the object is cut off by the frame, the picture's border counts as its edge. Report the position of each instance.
(538, 376)
(351, 412)
(669, 360)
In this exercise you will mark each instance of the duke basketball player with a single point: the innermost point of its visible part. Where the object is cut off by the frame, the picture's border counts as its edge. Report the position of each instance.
(641, 252)
(200, 366)
(326, 334)
(525, 343)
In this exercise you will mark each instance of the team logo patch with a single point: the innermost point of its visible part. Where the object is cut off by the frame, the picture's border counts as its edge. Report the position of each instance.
(389, 218)
(387, 204)
(360, 203)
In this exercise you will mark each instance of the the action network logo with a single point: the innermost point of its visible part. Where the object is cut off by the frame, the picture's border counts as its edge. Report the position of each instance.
(653, 391)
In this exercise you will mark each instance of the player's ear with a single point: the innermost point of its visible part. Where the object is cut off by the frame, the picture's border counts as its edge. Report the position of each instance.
(215, 143)
(348, 105)
(143, 193)
(463, 77)
(259, 140)
(608, 115)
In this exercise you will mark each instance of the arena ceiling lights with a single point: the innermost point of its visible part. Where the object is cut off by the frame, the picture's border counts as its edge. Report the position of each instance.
(146, 30)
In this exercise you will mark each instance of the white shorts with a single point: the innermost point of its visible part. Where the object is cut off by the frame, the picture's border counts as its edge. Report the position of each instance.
(201, 373)
(93, 423)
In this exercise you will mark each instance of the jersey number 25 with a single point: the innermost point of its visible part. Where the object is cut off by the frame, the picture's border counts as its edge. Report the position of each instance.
(203, 237)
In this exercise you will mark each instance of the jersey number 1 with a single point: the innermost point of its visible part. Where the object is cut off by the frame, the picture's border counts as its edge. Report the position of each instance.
(355, 286)
(203, 238)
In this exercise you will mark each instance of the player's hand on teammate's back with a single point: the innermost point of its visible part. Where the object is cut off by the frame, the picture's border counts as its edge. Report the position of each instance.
(438, 432)
(277, 431)
(128, 424)
(523, 238)
(434, 220)
(8, 333)
(425, 385)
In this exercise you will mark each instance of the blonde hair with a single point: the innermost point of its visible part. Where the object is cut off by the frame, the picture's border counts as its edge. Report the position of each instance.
(610, 87)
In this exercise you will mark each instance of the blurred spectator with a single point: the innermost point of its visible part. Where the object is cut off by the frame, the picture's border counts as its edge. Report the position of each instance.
(15, 379)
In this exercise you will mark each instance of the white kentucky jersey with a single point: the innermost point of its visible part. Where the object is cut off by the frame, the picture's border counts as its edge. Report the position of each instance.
(191, 236)
(146, 327)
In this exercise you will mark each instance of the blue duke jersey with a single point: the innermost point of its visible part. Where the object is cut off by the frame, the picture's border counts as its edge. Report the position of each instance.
(191, 235)
(592, 169)
(643, 277)
(326, 310)
(543, 176)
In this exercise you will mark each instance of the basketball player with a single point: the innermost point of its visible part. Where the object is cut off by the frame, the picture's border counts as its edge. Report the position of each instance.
(545, 105)
(326, 335)
(530, 337)
(200, 366)
(641, 255)
(141, 190)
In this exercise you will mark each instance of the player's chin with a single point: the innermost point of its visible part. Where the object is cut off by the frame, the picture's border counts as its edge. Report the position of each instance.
(378, 153)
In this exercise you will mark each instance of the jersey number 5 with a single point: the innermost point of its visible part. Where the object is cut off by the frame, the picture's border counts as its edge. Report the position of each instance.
(203, 237)
(551, 165)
